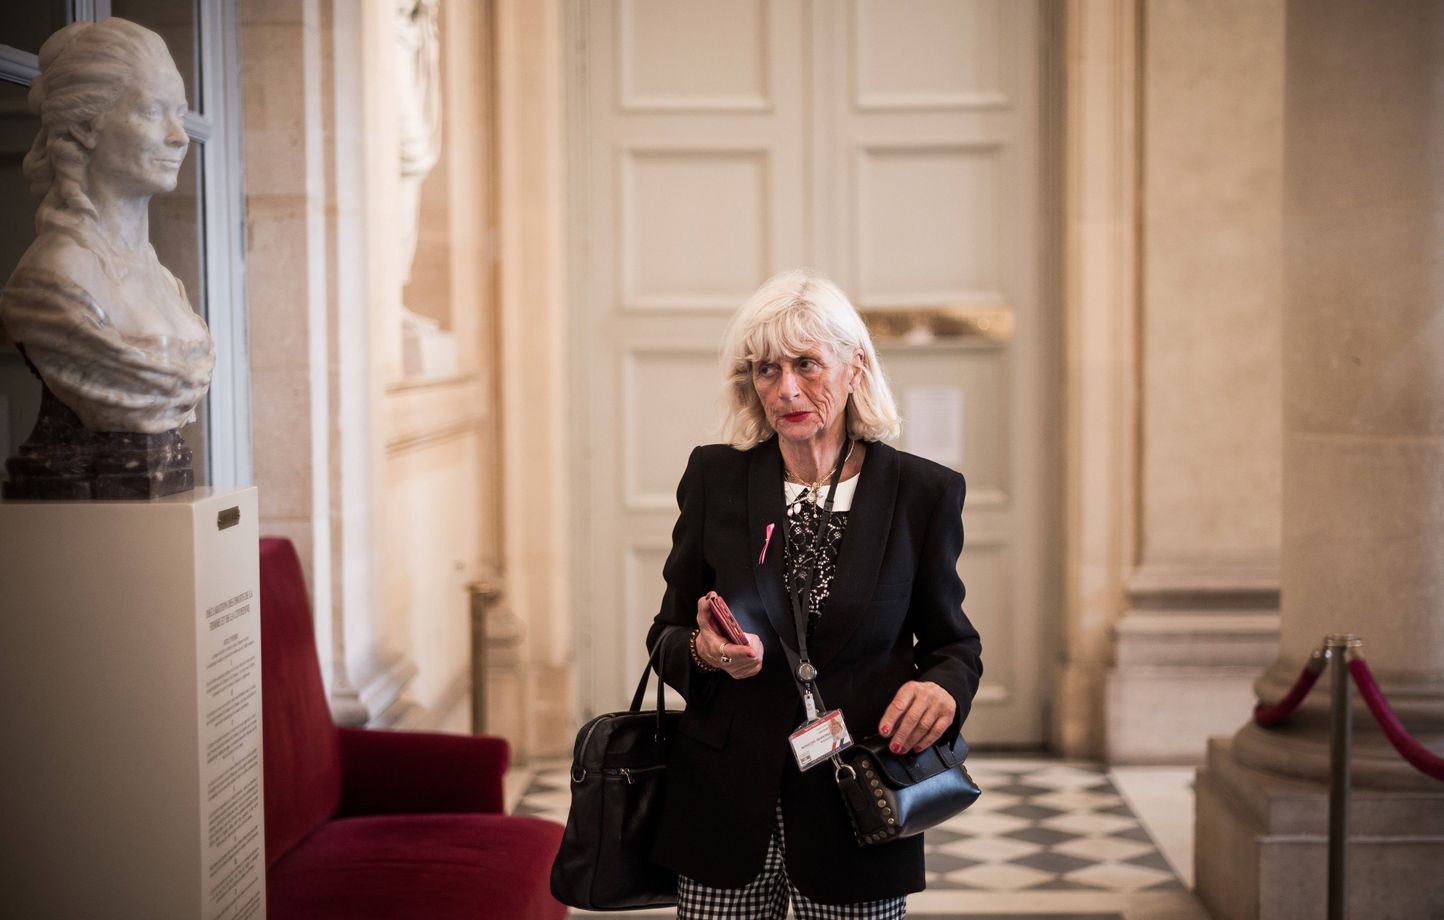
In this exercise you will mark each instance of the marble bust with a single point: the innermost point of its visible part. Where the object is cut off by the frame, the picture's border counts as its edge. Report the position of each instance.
(106, 326)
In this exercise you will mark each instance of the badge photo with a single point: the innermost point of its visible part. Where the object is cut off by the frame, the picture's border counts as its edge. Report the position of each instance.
(818, 740)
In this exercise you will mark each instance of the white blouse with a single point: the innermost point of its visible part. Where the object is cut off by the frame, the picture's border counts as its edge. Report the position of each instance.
(842, 501)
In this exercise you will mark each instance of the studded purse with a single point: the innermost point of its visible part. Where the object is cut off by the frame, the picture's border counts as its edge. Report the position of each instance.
(889, 796)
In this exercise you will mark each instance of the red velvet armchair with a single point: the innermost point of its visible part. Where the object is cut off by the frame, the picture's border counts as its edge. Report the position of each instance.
(370, 824)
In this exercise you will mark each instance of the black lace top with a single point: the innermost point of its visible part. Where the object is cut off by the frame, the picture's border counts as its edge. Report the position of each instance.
(798, 556)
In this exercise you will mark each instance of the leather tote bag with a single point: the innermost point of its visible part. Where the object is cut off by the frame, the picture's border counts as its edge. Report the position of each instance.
(619, 768)
(898, 795)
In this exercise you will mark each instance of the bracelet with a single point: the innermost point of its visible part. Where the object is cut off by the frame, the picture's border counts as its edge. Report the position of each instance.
(696, 658)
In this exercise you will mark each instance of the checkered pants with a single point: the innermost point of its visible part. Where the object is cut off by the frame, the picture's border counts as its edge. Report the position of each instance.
(766, 896)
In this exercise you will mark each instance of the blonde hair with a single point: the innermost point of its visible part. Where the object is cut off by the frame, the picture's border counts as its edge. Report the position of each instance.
(788, 314)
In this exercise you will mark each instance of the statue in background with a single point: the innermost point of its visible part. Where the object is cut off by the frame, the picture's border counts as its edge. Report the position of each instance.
(110, 332)
(426, 349)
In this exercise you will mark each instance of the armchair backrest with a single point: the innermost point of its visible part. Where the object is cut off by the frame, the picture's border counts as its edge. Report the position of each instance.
(302, 746)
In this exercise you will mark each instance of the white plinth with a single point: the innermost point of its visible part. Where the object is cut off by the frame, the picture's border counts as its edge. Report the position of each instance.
(130, 708)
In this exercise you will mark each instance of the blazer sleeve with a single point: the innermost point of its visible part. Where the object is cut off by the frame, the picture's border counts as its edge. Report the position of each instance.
(947, 650)
(688, 577)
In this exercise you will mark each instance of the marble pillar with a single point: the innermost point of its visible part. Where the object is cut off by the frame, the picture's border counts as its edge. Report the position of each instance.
(1098, 287)
(1363, 480)
(1201, 616)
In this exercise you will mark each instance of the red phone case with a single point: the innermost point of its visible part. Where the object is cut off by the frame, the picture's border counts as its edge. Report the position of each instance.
(726, 622)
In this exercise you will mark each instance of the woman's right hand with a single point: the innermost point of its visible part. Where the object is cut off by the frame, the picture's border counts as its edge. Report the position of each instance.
(738, 661)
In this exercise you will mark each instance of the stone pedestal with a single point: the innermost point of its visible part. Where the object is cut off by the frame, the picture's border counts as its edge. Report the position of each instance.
(130, 672)
(1262, 846)
(1363, 474)
(62, 460)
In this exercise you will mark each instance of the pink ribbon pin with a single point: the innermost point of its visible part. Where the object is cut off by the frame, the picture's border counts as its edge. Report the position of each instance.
(766, 542)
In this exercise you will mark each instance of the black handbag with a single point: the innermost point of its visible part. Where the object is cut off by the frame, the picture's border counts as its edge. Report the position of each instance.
(619, 768)
(889, 795)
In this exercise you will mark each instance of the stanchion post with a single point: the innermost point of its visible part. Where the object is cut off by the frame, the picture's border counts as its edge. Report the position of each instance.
(1339, 647)
(484, 595)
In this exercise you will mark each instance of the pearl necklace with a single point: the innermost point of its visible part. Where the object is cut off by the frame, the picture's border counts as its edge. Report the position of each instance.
(810, 490)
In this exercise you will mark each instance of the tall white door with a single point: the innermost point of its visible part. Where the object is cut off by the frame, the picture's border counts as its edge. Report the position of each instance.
(892, 145)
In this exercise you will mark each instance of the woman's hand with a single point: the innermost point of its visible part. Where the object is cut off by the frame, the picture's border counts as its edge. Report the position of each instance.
(919, 714)
(739, 661)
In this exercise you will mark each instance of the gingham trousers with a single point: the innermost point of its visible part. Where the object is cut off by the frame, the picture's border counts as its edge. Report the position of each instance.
(766, 896)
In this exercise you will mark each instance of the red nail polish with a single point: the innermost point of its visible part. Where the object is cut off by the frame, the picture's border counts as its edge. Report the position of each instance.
(887, 730)
(919, 749)
(895, 748)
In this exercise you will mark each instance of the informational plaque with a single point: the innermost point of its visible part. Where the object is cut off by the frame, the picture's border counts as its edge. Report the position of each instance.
(228, 651)
(130, 663)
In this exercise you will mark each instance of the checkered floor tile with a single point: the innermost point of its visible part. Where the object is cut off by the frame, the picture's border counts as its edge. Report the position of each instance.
(1040, 825)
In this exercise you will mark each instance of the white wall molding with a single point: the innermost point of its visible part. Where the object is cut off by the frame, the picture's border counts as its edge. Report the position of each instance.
(1232, 585)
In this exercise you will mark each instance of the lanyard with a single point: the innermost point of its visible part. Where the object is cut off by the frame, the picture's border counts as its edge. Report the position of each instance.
(803, 672)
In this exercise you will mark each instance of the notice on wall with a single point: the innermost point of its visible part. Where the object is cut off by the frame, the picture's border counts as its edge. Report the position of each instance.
(229, 672)
(933, 424)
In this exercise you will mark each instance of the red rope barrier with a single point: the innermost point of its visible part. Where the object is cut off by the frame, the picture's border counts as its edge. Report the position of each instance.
(1267, 715)
(1417, 755)
(1420, 757)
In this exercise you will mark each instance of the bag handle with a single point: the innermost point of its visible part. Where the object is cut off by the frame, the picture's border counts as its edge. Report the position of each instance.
(654, 660)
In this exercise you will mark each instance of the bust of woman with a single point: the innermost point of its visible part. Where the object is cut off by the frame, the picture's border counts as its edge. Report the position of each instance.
(107, 327)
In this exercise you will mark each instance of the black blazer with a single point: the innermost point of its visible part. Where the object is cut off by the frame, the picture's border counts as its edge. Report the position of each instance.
(894, 614)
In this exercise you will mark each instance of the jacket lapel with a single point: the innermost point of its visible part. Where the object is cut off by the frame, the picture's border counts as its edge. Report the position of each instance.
(859, 558)
(765, 506)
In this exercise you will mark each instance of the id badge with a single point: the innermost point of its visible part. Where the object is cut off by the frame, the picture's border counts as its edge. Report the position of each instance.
(819, 739)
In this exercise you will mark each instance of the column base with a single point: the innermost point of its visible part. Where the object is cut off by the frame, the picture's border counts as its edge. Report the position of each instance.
(1181, 678)
(1261, 846)
(530, 704)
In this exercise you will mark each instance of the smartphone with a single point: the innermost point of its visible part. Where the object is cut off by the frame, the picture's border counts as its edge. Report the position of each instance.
(726, 623)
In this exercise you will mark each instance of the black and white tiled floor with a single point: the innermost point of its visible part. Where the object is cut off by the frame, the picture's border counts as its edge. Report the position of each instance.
(1046, 827)
(1046, 839)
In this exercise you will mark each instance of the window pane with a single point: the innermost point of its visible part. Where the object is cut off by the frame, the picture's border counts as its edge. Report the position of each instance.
(17, 131)
(178, 22)
(19, 390)
(177, 231)
(27, 24)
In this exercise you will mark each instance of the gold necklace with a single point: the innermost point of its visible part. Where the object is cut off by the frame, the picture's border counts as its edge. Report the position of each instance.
(810, 490)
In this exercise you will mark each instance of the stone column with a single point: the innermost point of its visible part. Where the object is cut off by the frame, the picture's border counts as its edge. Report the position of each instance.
(537, 505)
(1098, 286)
(308, 366)
(1203, 597)
(1363, 479)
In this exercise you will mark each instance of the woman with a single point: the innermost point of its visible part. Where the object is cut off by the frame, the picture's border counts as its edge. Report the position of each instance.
(744, 827)
(108, 328)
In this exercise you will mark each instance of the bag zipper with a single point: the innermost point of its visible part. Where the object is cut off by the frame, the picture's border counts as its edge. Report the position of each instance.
(579, 774)
(628, 773)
